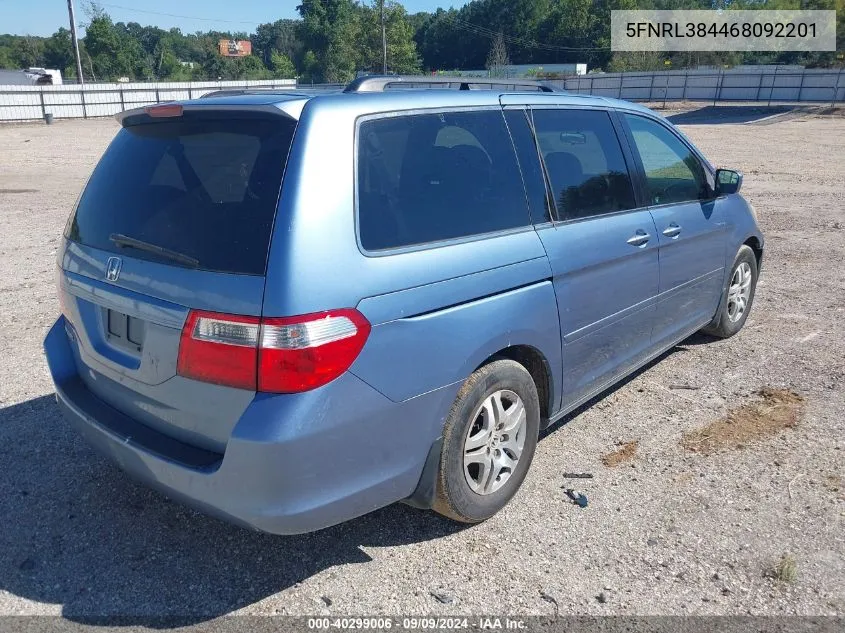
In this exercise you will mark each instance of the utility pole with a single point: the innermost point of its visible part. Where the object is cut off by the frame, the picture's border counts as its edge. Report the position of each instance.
(383, 41)
(75, 43)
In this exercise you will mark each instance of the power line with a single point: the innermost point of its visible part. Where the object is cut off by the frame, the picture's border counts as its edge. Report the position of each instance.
(173, 15)
(490, 34)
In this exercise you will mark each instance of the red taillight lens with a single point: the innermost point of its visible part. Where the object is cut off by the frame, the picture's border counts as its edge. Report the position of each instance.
(219, 348)
(306, 352)
(279, 355)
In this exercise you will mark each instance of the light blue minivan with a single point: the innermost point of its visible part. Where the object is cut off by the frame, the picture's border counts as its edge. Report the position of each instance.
(291, 309)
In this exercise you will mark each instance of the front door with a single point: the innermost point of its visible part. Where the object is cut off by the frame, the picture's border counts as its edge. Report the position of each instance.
(690, 229)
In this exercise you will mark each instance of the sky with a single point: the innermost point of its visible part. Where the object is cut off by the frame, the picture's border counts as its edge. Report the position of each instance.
(44, 17)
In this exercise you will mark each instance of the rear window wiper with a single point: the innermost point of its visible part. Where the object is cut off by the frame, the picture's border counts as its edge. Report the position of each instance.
(130, 242)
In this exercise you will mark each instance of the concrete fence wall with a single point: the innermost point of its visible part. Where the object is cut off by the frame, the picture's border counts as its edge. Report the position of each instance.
(811, 85)
(22, 103)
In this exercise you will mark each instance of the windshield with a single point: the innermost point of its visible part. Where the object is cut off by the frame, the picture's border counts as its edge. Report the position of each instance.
(203, 187)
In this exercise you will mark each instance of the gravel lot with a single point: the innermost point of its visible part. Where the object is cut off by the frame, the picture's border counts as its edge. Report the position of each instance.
(667, 532)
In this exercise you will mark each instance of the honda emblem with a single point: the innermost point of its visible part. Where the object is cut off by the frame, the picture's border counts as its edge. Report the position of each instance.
(113, 268)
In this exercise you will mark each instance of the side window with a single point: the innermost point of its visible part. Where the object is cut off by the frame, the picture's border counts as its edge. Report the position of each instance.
(584, 161)
(529, 163)
(672, 172)
(430, 177)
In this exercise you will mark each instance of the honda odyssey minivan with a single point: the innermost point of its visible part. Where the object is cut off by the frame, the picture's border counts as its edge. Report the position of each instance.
(289, 309)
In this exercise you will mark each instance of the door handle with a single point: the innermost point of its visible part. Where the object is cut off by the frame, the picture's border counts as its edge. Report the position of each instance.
(673, 230)
(639, 238)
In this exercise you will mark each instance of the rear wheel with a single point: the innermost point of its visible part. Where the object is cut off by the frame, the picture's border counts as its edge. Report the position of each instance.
(488, 442)
(738, 295)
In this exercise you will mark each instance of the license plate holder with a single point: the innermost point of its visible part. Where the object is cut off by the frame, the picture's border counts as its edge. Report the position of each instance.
(124, 331)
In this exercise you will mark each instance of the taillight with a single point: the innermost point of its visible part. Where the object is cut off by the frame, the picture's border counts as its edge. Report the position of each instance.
(279, 355)
(302, 353)
(219, 348)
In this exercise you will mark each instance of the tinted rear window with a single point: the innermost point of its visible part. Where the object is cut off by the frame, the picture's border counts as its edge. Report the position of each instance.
(202, 186)
(430, 177)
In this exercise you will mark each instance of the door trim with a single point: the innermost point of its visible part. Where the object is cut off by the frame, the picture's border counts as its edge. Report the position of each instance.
(569, 408)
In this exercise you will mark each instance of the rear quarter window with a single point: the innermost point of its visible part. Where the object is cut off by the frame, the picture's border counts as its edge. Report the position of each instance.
(202, 186)
(431, 177)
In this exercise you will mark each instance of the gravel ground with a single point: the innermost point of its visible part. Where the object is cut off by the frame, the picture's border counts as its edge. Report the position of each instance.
(667, 532)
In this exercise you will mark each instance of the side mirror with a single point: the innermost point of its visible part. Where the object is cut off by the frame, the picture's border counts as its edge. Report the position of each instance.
(728, 181)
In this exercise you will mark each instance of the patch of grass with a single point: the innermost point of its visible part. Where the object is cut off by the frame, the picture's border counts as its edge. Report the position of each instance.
(833, 483)
(773, 411)
(786, 570)
(624, 453)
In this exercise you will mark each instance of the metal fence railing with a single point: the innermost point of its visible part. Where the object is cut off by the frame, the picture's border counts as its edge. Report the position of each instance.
(769, 86)
(72, 101)
(764, 85)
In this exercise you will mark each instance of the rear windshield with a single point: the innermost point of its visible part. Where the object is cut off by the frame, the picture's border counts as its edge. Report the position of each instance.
(198, 191)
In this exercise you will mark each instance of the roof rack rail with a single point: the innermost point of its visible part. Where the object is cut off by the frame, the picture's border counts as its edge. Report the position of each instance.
(233, 92)
(257, 90)
(380, 83)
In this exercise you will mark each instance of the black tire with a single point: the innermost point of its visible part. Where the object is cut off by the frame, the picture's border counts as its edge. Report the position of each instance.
(454, 497)
(723, 326)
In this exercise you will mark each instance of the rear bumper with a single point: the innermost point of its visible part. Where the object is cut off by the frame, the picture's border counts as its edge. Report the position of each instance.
(294, 463)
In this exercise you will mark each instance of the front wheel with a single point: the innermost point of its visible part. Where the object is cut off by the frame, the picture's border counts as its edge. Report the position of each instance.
(488, 442)
(738, 295)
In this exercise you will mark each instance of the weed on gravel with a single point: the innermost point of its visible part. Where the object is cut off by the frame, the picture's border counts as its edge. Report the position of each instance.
(785, 570)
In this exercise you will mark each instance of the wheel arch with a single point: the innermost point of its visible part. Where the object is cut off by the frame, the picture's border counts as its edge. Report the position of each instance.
(537, 365)
(535, 362)
(756, 245)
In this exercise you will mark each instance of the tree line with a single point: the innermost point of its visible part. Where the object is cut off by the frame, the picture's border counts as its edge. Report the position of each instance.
(335, 39)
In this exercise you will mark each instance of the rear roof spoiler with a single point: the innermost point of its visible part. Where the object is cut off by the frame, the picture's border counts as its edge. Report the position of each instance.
(142, 115)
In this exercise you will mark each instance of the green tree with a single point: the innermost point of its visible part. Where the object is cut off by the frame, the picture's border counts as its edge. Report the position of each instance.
(282, 36)
(402, 57)
(112, 53)
(571, 24)
(330, 30)
(58, 52)
(250, 67)
(21, 51)
(32, 51)
(6, 60)
(310, 67)
(282, 66)
(336, 38)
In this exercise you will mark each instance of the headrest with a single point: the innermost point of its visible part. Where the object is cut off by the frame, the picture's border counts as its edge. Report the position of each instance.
(564, 168)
